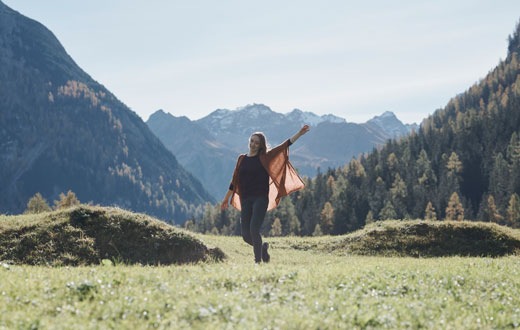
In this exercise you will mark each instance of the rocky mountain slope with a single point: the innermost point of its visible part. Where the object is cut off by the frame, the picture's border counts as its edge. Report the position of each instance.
(61, 130)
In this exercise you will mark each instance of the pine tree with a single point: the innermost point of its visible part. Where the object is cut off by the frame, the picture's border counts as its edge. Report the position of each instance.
(398, 194)
(331, 186)
(317, 230)
(208, 219)
(190, 225)
(392, 161)
(499, 183)
(454, 165)
(388, 212)
(377, 199)
(424, 171)
(429, 213)
(287, 214)
(513, 155)
(494, 215)
(37, 204)
(232, 222)
(425, 182)
(454, 210)
(66, 201)
(341, 204)
(513, 211)
(369, 218)
(327, 218)
(276, 228)
(305, 205)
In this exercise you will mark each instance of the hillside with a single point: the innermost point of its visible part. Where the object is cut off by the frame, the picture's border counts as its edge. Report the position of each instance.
(86, 235)
(61, 130)
(196, 149)
(471, 148)
(463, 163)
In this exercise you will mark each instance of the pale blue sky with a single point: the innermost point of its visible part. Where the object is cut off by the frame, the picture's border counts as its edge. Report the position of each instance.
(354, 59)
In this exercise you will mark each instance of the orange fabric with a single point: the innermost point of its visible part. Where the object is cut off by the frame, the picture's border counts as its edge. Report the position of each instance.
(283, 178)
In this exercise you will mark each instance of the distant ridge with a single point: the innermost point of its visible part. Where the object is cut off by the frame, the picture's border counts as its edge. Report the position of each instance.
(209, 146)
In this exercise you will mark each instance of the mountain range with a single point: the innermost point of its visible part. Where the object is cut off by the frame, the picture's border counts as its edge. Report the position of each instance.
(209, 146)
(61, 130)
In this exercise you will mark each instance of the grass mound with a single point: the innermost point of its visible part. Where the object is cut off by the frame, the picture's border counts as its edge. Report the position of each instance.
(431, 239)
(87, 235)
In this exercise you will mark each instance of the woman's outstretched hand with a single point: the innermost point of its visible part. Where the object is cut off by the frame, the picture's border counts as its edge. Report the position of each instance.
(305, 128)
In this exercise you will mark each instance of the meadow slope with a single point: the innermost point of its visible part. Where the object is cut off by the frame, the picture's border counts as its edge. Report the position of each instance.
(302, 288)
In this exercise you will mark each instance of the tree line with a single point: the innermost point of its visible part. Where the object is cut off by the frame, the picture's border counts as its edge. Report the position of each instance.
(38, 204)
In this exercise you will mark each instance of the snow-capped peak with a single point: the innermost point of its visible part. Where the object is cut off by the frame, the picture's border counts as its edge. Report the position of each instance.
(312, 118)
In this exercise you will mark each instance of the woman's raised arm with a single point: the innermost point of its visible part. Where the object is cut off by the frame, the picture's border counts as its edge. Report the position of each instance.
(302, 131)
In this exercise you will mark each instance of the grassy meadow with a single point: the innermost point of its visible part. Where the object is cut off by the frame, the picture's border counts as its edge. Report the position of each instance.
(307, 285)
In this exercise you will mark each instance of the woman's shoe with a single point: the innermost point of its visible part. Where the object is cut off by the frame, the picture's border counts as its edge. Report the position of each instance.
(265, 255)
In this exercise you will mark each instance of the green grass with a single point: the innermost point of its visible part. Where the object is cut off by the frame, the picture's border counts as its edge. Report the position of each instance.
(299, 289)
(311, 283)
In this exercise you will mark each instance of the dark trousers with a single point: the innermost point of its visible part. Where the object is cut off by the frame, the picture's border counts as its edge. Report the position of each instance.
(252, 217)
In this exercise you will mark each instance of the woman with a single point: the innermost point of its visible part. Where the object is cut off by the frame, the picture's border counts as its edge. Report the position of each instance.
(260, 179)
